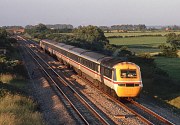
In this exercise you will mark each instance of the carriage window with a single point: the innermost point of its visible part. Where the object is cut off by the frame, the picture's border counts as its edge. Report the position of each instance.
(108, 72)
(114, 75)
(96, 67)
(128, 73)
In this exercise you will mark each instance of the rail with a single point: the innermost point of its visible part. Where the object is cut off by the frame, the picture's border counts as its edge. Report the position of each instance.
(151, 112)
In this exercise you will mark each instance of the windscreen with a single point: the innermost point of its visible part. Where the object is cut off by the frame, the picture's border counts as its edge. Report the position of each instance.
(128, 73)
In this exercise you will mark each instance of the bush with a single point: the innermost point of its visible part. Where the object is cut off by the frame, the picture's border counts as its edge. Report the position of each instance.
(124, 52)
(89, 34)
(115, 37)
(143, 59)
(168, 51)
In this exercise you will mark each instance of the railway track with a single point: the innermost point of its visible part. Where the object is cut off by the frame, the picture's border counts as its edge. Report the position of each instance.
(143, 113)
(88, 113)
(163, 120)
(146, 115)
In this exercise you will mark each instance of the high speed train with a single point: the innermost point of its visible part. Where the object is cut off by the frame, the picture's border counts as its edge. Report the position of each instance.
(115, 76)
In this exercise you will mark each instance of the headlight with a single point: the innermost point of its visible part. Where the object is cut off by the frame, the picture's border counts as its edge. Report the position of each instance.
(121, 84)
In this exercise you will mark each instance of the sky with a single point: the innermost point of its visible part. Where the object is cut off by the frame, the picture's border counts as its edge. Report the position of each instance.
(89, 12)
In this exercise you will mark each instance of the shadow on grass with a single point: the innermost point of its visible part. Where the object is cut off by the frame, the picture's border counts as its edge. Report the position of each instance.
(160, 85)
(8, 88)
(142, 46)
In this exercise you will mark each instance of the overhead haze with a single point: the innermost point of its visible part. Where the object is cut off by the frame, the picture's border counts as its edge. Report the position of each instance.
(90, 12)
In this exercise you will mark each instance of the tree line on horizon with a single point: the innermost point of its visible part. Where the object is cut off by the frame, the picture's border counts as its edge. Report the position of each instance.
(68, 28)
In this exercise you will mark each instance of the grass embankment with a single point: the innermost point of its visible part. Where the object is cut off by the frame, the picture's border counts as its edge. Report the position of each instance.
(172, 67)
(16, 107)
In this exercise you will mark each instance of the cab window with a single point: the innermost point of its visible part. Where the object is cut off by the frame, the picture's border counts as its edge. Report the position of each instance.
(127, 73)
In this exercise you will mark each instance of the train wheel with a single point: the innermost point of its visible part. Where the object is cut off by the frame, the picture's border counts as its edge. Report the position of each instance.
(113, 93)
(60, 60)
(68, 66)
(108, 90)
(55, 57)
(79, 72)
(99, 85)
(105, 88)
(64, 62)
(84, 75)
(95, 82)
(75, 70)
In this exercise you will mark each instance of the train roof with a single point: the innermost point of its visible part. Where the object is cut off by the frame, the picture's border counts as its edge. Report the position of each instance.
(104, 60)
(79, 50)
(68, 47)
(60, 44)
(96, 57)
(110, 62)
(50, 41)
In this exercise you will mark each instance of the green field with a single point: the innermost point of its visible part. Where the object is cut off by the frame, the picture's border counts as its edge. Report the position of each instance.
(150, 41)
(163, 33)
(140, 44)
(171, 66)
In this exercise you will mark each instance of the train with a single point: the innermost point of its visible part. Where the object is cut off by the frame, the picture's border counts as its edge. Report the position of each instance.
(120, 78)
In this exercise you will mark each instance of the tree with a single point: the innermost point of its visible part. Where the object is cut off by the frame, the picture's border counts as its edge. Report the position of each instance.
(173, 39)
(124, 52)
(3, 34)
(90, 34)
(90, 37)
(41, 28)
(169, 51)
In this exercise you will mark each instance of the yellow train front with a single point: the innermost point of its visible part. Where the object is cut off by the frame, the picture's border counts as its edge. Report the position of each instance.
(128, 82)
